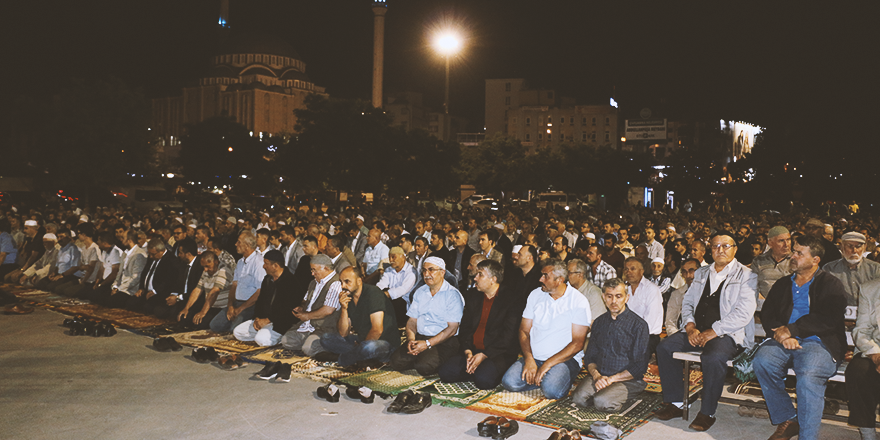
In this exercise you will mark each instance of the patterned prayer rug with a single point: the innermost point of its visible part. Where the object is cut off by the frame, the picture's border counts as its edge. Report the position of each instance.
(513, 405)
(275, 355)
(456, 395)
(223, 342)
(319, 371)
(565, 414)
(119, 317)
(390, 382)
(653, 379)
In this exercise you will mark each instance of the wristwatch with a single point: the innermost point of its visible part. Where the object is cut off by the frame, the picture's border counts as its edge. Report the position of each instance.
(428, 342)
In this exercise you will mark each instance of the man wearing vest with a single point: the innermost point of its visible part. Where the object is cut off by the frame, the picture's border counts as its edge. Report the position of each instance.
(319, 311)
(718, 313)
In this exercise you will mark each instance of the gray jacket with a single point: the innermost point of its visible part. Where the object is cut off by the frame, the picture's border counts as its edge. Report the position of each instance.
(128, 278)
(738, 302)
(866, 335)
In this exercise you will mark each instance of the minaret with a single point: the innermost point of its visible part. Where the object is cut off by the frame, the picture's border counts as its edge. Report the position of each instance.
(223, 22)
(379, 9)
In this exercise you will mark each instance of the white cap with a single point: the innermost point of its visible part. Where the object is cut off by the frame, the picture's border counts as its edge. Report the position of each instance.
(50, 236)
(590, 235)
(360, 217)
(658, 260)
(31, 223)
(516, 249)
(83, 218)
(437, 261)
(282, 223)
(178, 219)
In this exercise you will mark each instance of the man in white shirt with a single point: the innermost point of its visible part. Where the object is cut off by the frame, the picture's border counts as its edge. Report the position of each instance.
(375, 255)
(644, 299)
(292, 247)
(109, 259)
(319, 312)
(655, 249)
(555, 324)
(245, 290)
(397, 281)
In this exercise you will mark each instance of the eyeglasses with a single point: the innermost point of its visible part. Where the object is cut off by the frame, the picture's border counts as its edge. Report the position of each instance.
(725, 247)
(430, 270)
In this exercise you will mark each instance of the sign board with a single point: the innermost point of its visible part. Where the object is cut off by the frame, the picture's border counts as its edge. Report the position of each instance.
(645, 130)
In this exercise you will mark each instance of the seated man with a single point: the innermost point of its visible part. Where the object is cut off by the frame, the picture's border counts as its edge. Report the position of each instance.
(488, 331)
(39, 270)
(157, 279)
(66, 263)
(89, 264)
(397, 281)
(319, 311)
(617, 355)
(215, 284)
(555, 324)
(863, 371)
(718, 312)
(110, 257)
(126, 283)
(367, 325)
(805, 315)
(188, 278)
(434, 317)
(245, 289)
(645, 299)
(273, 311)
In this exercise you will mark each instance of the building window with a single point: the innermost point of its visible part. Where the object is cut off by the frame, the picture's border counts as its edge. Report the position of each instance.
(507, 100)
(540, 136)
(528, 137)
(562, 120)
(594, 120)
(593, 136)
(549, 137)
(584, 136)
(506, 87)
(584, 120)
(549, 120)
(607, 121)
(528, 122)
(607, 135)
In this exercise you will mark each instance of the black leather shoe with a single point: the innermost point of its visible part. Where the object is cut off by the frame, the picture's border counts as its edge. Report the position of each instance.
(400, 401)
(161, 344)
(269, 371)
(668, 412)
(488, 426)
(417, 404)
(363, 394)
(329, 393)
(702, 422)
(108, 330)
(505, 428)
(198, 355)
(210, 354)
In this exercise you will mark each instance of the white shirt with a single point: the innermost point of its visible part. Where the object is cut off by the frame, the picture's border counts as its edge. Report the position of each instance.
(552, 320)
(715, 278)
(109, 258)
(398, 283)
(332, 300)
(374, 256)
(655, 250)
(289, 253)
(647, 302)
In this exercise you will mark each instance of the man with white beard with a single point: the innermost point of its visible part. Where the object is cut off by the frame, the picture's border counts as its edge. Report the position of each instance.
(853, 269)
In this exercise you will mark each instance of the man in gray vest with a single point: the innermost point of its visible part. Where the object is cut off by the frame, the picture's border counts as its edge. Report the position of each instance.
(319, 312)
(853, 269)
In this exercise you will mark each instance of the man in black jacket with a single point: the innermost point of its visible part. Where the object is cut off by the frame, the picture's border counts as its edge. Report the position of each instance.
(272, 312)
(157, 279)
(487, 336)
(188, 278)
(804, 314)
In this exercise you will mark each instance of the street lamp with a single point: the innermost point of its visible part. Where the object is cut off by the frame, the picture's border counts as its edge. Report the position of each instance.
(447, 43)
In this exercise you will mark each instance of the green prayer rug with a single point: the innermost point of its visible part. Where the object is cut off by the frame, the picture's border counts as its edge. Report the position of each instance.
(565, 414)
(456, 395)
(390, 382)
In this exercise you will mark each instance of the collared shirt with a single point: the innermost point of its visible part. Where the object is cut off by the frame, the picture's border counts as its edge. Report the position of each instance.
(375, 255)
(655, 250)
(249, 275)
(289, 253)
(715, 277)
(89, 255)
(866, 334)
(181, 290)
(331, 300)
(800, 302)
(552, 320)
(68, 256)
(769, 270)
(647, 302)
(226, 259)
(663, 282)
(398, 283)
(619, 344)
(853, 279)
(219, 279)
(604, 272)
(433, 313)
(8, 245)
(108, 259)
(354, 241)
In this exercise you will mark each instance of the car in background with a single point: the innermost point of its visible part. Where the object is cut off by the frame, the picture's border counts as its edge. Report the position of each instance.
(487, 203)
(147, 198)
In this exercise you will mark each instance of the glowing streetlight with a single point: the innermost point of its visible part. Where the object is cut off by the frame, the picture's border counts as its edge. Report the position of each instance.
(447, 43)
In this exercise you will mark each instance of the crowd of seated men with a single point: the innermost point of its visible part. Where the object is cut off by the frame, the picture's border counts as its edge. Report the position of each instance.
(513, 299)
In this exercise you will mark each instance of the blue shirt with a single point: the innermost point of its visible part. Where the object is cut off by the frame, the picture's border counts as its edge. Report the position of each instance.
(434, 313)
(68, 257)
(249, 274)
(7, 244)
(375, 255)
(800, 298)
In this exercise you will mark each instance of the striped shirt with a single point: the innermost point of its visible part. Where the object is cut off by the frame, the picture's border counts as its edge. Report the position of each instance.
(331, 300)
(604, 272)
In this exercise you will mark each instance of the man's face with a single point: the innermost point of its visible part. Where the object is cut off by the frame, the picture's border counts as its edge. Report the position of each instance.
(262, 240)
(550, 282)
(615, 299)
(461, 239)
(330, 250)
(624, 235)
(514, 256)
(436, 242)
(756, 249)
(352, 233)
(689, 237)
(433, 274)
(484, 280)
(120, 233)
(680, 248)
(48, 244)
(642, 253)
(406, 245)
(801, 259)
(420, 248)
(697, 252)
(472, 265)
(633, 272)
(829, 233)
(649, 235)
(743, 232)
(575, 277)
(472, 224)
(310, 248)
(350, 283)
(179, 234)
(485, 244)
(320, 271)
(14, 223)
(154, 254)
(210, 264)
(531, 240)
(657, 269)
(104, 246)
(593, 255)
(723, 250)
(397, 261)
(374, 238)
(558, 247)
(852, 251)
(688, 270)
(420, 228)
(606, 228)
(429, 226)
(201, 236)
(275, 241)
(662, 234)
(523, 257)
(725, 226)
(286, 239)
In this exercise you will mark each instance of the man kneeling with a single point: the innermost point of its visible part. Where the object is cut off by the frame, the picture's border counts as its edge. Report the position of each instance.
(617, 355)
(273, 311)
(367, 326)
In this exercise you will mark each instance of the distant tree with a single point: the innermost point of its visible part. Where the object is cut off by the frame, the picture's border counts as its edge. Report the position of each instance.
(205, 150)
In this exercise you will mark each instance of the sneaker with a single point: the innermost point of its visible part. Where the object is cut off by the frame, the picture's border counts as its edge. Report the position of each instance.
(269, 371)
(283, 373)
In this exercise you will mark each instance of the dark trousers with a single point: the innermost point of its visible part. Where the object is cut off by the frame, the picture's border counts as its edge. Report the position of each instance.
(141, 304)
(100, 295)
(863, 391)
(400, 311)
(487, 376)
(50, 286)
(115, 301)
(653, 341)
(427, 362)
(713, 360)
(6, 268)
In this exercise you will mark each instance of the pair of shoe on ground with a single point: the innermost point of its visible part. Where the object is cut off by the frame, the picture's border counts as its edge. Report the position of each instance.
(410, 402)
(497, 427)
(279, 371)
(784, 431)
(330, 393)
(203, 355)
(166, 344)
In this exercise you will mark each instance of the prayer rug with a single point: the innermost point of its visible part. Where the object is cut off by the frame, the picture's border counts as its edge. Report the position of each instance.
(275, 355)
(652, 377)
(390, 382)
(318, 371)
(224, 342)
(119, 317)
(513, 405)
(456, 395)
(565, 414)
(23, 292)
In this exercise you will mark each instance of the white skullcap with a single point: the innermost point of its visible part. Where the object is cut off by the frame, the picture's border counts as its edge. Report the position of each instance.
(360, 217)
(658, 260)
(516, 249)
(282, 223)
(50, 236)
(590, 235)
(437, 261)
(83, 218)
(31, 223)
(178, 219)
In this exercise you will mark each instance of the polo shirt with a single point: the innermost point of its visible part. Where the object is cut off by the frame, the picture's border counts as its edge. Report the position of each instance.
(249, 274)
(433, 313)
(552, 320)
(373, 300)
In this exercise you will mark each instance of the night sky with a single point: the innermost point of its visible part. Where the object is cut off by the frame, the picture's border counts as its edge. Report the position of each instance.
(802, 66)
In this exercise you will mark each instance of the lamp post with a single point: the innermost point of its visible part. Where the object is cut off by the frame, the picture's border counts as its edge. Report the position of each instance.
(447, 43)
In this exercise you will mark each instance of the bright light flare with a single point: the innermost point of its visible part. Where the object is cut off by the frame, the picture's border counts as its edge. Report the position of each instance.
(447, 42)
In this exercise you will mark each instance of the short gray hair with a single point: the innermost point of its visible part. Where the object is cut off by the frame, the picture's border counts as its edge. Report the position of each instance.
(249, 239)
(560, 269)
(494, 268)
(579, 266)
(613, 283)
(156, 244)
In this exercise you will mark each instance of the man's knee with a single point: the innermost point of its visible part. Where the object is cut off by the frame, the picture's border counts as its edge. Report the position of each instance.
(606, 403)
(242, 331)
(265, 338)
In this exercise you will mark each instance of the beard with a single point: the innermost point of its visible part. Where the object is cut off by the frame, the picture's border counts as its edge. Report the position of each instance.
(854, 259)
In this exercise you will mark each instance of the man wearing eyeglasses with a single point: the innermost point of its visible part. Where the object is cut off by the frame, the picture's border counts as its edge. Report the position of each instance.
(718, 313)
